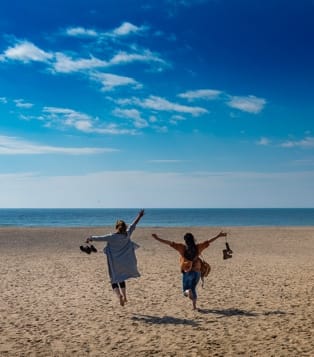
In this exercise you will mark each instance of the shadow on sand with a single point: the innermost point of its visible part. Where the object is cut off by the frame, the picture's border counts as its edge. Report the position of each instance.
(149, 319)
(163, 320)
(239, 312)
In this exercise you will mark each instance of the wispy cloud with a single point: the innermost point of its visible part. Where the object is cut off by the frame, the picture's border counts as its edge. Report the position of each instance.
(66, 64)
(123, 57)
(80, 32)
(126, 28)
(64, 117)
(60, 62)
(16, 146)
(110, 81)
(161, 104)
(263, 141)
(207, 94)
(133, 114)
(20, 103)
(26, 52)
(63, 63)
(307, 142)
(3, 100)
(249, 104)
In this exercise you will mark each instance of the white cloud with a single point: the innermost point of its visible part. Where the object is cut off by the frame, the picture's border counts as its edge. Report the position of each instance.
(134, 114)
(307, 142)
(126, 29)
(161, 104)
(3, 100)
(263, 141)
(64, 117)
(207, 94)
(26, 52)
(68, 117)
(20, 103)
(249, 104)
(110, 81)
(65, 64)
(80, 32)
(123, 57)
(16, 146)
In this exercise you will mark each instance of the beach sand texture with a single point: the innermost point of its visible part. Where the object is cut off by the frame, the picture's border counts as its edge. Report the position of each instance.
(57, 301)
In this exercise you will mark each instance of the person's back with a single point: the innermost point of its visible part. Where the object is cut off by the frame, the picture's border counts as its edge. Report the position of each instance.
(190, 263)
(120, 252)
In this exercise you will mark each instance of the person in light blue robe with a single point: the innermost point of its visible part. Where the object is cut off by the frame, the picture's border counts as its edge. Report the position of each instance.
(121, 258)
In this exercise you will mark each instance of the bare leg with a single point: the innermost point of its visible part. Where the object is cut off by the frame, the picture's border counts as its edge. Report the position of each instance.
(119, 296)
(193, 299)
(123, 290)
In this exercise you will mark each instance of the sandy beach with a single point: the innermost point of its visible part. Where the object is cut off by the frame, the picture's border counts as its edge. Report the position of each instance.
(57, 301)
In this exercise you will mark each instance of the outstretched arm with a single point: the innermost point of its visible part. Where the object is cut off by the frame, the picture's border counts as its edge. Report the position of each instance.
(161, 240)
(138, 217)
(220, 234)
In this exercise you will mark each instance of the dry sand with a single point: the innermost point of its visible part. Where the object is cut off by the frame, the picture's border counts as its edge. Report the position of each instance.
(57, 301)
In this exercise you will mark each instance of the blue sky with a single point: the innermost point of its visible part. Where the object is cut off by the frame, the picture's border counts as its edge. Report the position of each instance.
(203, 103)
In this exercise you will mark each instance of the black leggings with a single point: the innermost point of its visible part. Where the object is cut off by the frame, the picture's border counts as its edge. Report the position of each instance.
(116, 285)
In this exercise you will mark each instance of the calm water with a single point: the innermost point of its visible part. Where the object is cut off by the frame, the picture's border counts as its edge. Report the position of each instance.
(157, 217)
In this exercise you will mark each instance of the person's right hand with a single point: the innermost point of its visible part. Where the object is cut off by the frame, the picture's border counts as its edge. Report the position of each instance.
(222, 234)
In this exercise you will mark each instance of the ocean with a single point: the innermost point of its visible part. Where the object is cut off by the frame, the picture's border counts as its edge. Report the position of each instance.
(155, 217)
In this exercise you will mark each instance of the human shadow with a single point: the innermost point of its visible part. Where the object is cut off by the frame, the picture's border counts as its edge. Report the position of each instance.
(170, 320)
(228, 312)
(239, 312)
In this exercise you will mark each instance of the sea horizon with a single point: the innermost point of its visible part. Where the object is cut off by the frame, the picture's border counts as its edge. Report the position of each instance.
(156, 217)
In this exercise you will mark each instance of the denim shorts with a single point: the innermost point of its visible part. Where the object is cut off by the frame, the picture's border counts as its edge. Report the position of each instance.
(190, 281)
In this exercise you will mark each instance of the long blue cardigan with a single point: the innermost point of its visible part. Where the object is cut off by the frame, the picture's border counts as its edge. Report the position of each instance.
(121, 258)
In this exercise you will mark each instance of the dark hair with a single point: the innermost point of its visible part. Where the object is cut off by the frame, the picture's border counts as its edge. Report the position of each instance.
(121, 226)
(191, 249)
